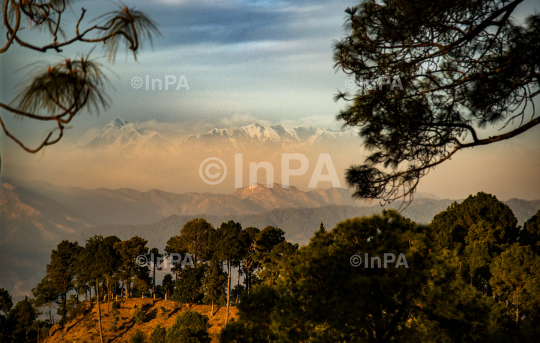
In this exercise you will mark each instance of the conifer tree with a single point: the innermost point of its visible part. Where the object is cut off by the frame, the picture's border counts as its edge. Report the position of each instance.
(230, 243)
(431, 76)
(213, 284)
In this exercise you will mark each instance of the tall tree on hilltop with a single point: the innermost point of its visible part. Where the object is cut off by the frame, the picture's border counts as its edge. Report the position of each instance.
(129, 270)
(478, 229)
(99, 258)
(463, 66)
(230, 243)
(155, 263)
(213, 284)
(24, 314)
(45, 293)
(271, 249)
(110, 269)
(194, 238)
(250, 263)
(188, 287)
(62, 271)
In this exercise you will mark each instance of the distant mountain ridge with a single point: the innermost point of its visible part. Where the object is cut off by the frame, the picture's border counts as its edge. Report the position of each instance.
(264, 133)
(127, 206)
(120, 133)
(36, 216)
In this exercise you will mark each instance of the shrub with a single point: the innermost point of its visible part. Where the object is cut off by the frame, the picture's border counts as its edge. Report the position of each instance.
(138, 316)
(164, 311)
(116, 305)
(115, 315)
(190, 327)
(158, 335)
(75, 310)
(138, 337)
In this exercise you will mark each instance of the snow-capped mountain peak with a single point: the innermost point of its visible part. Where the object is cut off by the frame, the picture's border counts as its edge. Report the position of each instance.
(117, 123)
(120, 133)
(262, 133)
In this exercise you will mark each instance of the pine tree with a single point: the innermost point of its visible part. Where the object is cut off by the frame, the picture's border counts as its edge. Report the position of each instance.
(230, 243)
(430, 76)
(214, 284)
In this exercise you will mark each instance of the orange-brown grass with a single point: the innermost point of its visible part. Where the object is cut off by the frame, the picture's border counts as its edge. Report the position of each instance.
(84, 328)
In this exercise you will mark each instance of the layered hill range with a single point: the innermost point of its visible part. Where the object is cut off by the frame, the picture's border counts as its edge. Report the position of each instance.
(36, 216)
(35, 212)
(50, 211)
(121, 134)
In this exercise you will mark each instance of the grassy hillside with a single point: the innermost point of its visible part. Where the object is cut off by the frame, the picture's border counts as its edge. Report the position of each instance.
(84, 328)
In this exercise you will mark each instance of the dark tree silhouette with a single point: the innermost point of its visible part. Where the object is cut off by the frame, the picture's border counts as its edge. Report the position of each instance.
(462, 67)
(230, 243)
(57, 93)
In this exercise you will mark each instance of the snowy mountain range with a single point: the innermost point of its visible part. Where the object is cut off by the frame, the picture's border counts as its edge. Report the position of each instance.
(120, 133)
(263, 133)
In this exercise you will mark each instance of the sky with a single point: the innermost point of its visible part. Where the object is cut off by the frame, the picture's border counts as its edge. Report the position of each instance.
(243, 62)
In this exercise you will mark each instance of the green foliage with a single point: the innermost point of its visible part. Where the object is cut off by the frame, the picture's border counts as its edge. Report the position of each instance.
(116, 305)
(163, 311)
(159, 335)
(530, 234)
(254, 320)
(214, 283)
(194, 238)
(138, 337)
(460, 70)
(23, 316)
(516, 279)
(138, 315)
(188, 287)
(115, 318)
(189, 327)
(478, 229)
(320, 296)
(75, 309)
(63, 270)
(127, 268)
(168, 284)
(5, 301)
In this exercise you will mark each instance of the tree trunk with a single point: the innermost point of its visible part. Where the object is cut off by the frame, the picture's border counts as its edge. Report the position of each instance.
(212, 310)
(237, 287)
(108, 296)
(228, 292)
(154, 278)
(99, 310)
(50, 313)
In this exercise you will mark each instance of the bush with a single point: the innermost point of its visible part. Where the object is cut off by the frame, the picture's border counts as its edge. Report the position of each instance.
(115, 315)
(158, 335)
(75, 310)
(116, 305)
(190, 327)
(164, 311)
(138, 337)
(138, 316)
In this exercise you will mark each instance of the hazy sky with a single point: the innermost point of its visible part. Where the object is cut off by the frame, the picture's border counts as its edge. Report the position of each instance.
(244, 61)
